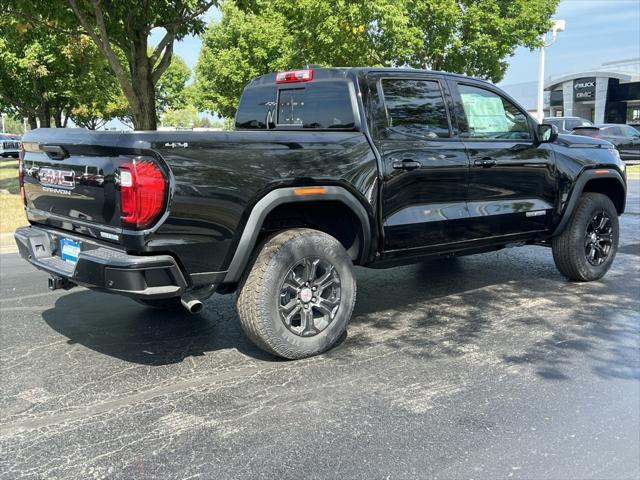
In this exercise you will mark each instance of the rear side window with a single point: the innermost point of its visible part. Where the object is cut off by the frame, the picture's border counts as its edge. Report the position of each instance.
(320, 105)
(416, 107)
(551, 121)
(612, 131)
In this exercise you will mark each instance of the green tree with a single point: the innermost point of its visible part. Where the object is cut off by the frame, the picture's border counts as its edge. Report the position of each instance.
(120, 30)
(186, 117)
(473, 37)
(12, 123)
(171, 89)
(98, 111)
(241, 46)
(45, 74)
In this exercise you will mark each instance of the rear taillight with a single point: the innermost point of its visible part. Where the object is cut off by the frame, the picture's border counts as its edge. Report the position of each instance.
(21, 174)
(294, 76)
(142, 193)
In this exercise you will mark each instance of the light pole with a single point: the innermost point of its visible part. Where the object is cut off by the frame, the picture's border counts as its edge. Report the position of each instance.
(558, 26)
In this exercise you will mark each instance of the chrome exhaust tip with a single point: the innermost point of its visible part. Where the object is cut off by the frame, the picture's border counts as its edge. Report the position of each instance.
(192, 300)
(193, 305)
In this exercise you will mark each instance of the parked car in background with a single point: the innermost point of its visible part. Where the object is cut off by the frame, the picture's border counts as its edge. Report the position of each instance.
(9, 146)
(567, 124)
(625, 138)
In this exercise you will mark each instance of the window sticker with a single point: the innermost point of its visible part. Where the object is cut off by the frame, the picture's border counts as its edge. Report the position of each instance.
(485, 114)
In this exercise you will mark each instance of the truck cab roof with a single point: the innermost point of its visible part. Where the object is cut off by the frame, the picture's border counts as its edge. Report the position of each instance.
(324, 73)
(312, 98)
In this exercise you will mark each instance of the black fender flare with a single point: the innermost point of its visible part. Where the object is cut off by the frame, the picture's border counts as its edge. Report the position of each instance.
(578, 187)
(281, 196)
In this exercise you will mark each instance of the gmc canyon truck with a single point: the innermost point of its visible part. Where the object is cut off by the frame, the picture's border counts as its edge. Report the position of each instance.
(328, 168)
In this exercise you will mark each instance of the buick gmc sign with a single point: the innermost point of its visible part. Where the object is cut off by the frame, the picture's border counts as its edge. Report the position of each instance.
(584, 89)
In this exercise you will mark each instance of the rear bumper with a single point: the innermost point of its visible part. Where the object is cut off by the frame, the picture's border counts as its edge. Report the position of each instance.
(101, 267)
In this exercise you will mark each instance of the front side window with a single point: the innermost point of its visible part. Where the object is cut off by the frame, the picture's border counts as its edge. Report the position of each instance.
(628, 131)
(490, 116)
(415, 107)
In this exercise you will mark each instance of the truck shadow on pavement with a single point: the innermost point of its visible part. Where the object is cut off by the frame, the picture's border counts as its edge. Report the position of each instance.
(510, 309)
(514, 310)
(121, 328)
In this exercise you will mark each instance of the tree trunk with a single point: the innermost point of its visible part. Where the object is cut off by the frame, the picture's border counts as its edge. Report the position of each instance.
(57, 118)
(33, 123)
(66, 117)
(45, 115)
(143, 105)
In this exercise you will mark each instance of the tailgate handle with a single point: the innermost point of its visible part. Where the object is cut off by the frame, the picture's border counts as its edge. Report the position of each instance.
(55, 152)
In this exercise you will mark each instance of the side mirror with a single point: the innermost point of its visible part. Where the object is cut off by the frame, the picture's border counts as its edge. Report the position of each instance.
(547, 133)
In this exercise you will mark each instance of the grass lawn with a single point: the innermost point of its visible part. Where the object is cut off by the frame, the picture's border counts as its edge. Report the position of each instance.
(9, 175)
(11, 208)
(633, 171)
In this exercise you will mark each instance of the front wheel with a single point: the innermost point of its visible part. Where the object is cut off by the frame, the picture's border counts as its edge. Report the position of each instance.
(585, 250)
(298, 297)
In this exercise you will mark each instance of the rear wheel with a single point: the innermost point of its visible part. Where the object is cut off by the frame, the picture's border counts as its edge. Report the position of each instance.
(585, 250)
(298, 297)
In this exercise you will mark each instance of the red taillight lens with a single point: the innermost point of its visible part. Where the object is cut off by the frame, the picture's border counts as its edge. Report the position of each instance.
(142, 192)
(21, 174)
(295, 76)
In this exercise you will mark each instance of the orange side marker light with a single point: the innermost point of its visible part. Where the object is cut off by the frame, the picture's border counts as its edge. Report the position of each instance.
(310, 190)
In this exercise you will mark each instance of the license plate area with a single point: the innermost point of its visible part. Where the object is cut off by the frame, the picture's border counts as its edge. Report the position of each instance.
(69, 250)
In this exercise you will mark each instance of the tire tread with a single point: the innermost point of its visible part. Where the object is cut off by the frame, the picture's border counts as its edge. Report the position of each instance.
(251, 309)
(565, 255)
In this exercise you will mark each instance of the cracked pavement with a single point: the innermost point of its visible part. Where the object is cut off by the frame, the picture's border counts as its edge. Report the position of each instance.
(491, 366)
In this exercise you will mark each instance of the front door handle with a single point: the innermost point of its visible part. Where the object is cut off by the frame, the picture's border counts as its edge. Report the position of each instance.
(485, 162)
(406, 164)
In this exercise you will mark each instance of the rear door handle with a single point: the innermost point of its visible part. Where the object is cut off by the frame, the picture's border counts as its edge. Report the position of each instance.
(406, 164)
(485, 162)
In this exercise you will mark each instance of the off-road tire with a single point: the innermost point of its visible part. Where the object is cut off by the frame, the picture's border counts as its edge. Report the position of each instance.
(569, 247)
(259, 293)
(161, 303)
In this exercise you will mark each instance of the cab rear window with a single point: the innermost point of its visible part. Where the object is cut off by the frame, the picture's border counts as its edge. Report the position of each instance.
(320, 105)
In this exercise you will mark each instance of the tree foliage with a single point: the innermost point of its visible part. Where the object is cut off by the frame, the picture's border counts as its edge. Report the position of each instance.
(241, 46)
(46, 74)
(120, 30)
(473, 37)
(171, 88)
(184, 117)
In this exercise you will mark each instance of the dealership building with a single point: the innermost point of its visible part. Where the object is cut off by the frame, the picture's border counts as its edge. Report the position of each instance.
(609, 93)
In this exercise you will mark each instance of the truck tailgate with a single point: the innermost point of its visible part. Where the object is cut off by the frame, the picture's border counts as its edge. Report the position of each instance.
(76, 186)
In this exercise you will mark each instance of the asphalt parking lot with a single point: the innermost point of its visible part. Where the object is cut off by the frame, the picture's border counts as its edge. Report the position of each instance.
(483, 367)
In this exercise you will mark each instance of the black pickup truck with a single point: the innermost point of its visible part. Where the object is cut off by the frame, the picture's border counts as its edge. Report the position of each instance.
(327, 169)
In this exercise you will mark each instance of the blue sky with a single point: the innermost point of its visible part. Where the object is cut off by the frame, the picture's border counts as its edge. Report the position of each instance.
(597, 31)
